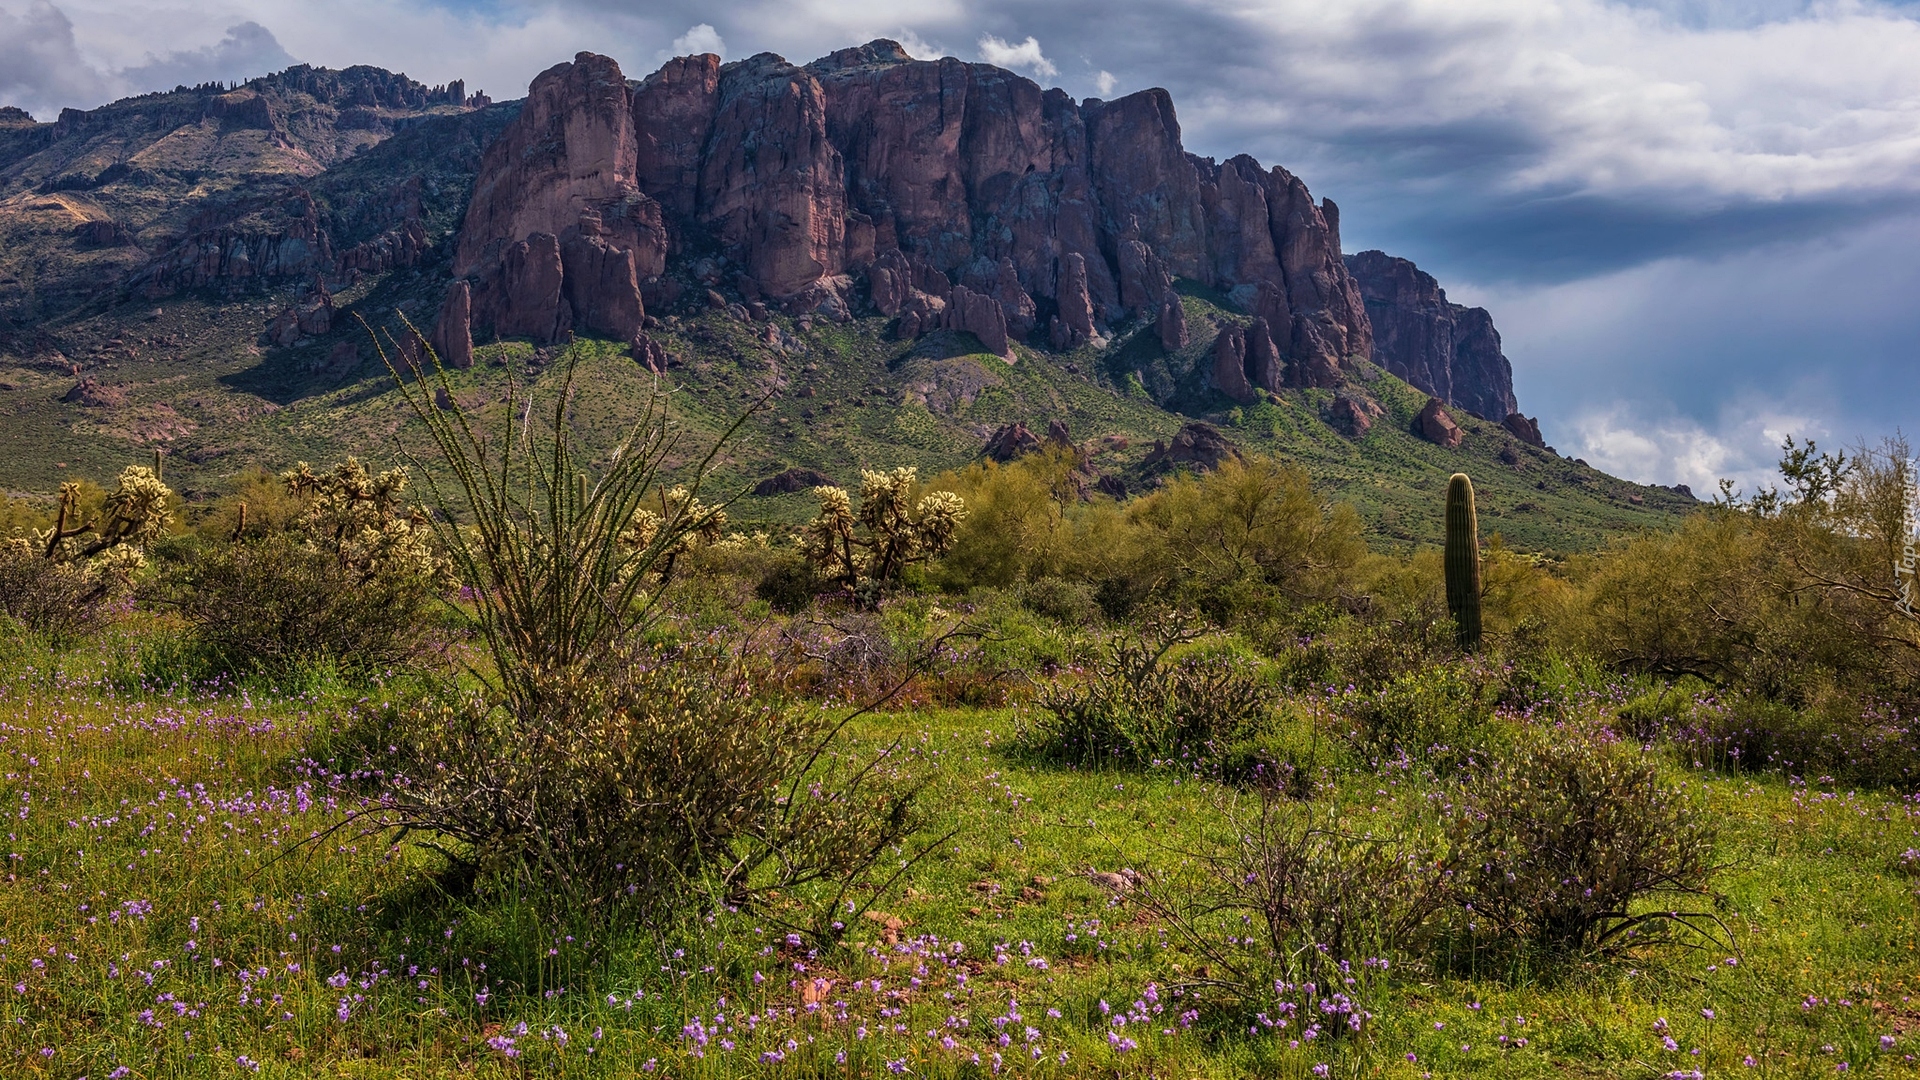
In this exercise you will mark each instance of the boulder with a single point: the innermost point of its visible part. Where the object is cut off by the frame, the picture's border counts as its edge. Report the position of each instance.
(1436, 426)
(794, 479)
(1352, 416)
(648, 353)
(1010, 441)
(1526, 429)
(1196, 443)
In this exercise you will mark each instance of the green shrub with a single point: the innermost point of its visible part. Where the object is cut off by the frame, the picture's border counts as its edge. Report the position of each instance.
(1556, 843)
(670, 772)
(274, 604)
(1137, 707)
(1440, 714)
(1335, 893)
(66, 581)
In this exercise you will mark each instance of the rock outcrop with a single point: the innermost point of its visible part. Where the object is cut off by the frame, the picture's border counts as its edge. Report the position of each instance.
(1068, 216)
(558, 234)
(452, 338)
(1352, 416)
(1172, 323)
(1450, 351)
(1010, 441)
(1435, 425)
(1524, 428)
(1195, 444)
(792, 480)
(1229, 374)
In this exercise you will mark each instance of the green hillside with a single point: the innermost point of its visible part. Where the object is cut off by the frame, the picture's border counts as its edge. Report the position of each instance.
(845, 397)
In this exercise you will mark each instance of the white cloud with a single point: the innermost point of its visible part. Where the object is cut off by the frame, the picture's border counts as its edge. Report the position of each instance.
(702, 38)
(917, 47)
(1105, 82)
(1742, 445)
(1025, 56)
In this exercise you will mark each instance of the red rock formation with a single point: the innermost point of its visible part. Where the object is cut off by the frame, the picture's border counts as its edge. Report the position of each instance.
(1017, 306)
(600, 283)
(400, 246)
(920, 314)
(453, 331)
(565, 170)
(889, 282)
(1524, 428)
(1195, 444)
(1010, 441)
(1172, 323)
(1348, 418)
(1264, 365)
(1434, 425)
(772, 185)
(524, 297)
(982, 316)
(868, 158)
(673, 114)
(648, 353)
(1314, 360)
(1230, 365)
(1075, 325)
(1450, 351)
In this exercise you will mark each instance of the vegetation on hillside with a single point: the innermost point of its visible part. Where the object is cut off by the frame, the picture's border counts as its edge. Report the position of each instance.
(990, 772)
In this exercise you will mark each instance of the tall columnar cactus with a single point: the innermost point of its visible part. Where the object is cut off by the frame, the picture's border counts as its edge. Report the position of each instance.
(1463, 562)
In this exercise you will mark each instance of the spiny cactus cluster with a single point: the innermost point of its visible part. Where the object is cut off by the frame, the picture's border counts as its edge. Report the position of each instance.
(898, 532)
(60, 580)
(362, 520)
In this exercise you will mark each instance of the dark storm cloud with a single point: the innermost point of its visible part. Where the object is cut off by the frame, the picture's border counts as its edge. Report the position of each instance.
(43, 69)
(40, 66)
(248, 49)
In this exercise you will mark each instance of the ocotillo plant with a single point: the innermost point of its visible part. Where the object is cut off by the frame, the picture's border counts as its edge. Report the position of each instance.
(1463, 562)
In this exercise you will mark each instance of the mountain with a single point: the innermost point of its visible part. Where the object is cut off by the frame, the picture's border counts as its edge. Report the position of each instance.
(918, 258)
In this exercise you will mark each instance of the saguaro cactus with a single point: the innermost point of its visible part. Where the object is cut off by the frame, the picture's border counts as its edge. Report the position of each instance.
(1463, 562)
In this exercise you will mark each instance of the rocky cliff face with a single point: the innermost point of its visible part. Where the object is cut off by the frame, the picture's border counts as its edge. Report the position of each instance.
(952, 195)
(1450, 351)
(238, 189)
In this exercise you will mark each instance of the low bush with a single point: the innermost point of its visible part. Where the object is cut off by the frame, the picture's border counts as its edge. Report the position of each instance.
(1439, 714)
(1557, 843)
(273, 604)
(672, 771)
(1336, 895)
(595, 766)
(1137, 707)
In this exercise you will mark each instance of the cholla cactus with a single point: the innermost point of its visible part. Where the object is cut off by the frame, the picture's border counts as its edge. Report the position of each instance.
(362, 520)
(135, 513)
(898, 531)
(688, 524)
(64, 580)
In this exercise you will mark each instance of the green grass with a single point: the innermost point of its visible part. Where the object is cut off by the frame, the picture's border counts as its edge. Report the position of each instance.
(173, 902)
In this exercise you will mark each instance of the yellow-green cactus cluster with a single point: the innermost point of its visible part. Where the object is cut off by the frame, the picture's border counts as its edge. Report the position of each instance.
(898, 530)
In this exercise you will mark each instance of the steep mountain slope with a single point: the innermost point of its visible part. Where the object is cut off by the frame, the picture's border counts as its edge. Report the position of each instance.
(913, 256)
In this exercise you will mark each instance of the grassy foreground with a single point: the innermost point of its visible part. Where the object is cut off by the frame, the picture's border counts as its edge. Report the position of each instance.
(187, 894)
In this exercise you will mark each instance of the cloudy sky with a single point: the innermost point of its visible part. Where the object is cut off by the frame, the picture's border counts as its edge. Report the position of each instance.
(1697, 222)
